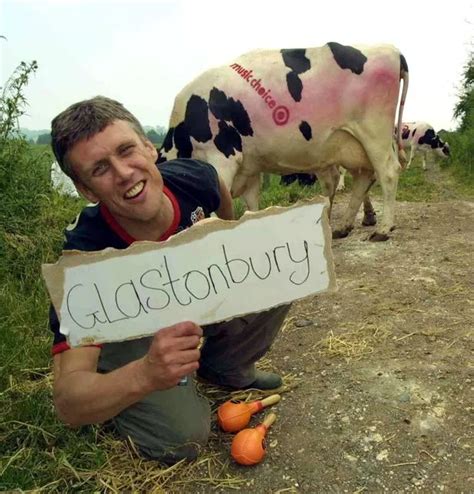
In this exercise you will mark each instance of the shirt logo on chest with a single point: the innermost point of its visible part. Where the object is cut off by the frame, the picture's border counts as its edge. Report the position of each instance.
(197, 215)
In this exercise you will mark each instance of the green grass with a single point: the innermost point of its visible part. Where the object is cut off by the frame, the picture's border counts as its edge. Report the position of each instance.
(36, 450)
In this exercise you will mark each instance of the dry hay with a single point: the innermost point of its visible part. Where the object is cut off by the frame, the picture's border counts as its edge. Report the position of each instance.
(353, 341)
(124, 470)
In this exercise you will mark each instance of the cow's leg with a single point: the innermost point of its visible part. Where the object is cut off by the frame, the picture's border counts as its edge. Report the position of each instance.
(424, 160)
(251, 193)
(247, 187)
(341, 185)
(360, 188)
(328, 178)
(387, 176)
(370, 218)
(412, 151)
(225, 167)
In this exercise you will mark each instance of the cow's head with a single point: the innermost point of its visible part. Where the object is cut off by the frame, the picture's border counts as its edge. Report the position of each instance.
(445, 151)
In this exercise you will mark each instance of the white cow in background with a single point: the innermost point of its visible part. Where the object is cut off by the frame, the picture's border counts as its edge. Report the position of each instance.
(421, 137)
(61, 182)
(416, 137)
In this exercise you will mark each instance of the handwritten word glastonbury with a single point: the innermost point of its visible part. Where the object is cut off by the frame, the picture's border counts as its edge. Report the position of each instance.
(156, 289)
(280, 114)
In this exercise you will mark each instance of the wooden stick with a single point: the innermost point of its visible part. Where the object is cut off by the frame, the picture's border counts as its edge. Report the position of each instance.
(270, 400)
(269, 420)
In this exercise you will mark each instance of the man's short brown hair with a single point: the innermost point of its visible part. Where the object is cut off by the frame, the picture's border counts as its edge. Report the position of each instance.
(83, 120)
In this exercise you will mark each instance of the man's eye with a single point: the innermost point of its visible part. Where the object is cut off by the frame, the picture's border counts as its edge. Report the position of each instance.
(127, 150)
(99, 169)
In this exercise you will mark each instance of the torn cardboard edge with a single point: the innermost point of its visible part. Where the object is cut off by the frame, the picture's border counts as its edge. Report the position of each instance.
(54, 274)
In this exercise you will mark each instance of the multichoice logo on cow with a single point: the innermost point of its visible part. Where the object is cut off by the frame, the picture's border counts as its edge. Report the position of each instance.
(280, 114)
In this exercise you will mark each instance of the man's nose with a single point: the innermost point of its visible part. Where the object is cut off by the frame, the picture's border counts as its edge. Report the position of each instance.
(122, 168)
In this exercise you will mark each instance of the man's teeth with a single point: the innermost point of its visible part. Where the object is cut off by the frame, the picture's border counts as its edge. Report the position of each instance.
(134, 191)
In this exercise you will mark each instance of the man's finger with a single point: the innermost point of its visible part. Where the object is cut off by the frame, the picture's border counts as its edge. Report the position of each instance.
(186, 342)
(186, 357)
(185, 328)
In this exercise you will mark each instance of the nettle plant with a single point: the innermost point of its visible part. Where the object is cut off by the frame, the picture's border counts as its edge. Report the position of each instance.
(13, 101)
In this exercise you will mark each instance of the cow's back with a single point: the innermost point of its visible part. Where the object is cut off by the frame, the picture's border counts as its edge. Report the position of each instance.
(288, 109)
(412, 132)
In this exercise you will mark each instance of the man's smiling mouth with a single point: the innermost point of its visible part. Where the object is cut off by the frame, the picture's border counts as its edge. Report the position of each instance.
(135, 190)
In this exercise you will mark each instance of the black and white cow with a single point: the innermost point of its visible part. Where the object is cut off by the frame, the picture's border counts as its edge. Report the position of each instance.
(298, 110)
(304, 179)
(421, 137)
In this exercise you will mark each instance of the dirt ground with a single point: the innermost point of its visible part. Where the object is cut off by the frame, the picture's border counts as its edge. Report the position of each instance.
(383, 367)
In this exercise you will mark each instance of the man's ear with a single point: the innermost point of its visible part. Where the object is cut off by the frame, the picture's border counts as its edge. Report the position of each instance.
(85, 191)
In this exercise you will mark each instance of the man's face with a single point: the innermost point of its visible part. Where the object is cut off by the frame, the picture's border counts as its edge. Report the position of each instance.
(117, 167)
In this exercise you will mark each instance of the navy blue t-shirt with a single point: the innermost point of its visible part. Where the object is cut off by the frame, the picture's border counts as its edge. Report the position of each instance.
(193, 189)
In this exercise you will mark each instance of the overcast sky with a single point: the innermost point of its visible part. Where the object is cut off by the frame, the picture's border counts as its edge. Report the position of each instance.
(143, 52)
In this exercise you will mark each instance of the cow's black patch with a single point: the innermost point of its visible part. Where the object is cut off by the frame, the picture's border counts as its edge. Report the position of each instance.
(228, 139)
(405, 133)
(348, 57)
(182, 141)
(161, 159)
(305, 129)
(304, 179)
(230, 110)
(414, 131)
(288, 179)
(218, 104)
(296, 59)
(429, 138)
(196, 119)
(403, 63)
(168, 142)
(295, 86)
(240, 118)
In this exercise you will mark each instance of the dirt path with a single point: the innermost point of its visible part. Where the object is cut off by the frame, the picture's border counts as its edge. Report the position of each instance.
(384, 399)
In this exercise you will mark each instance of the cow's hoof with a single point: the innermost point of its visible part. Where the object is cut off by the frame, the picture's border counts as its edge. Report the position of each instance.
(340, 233)
(369, 219)
(378, 237)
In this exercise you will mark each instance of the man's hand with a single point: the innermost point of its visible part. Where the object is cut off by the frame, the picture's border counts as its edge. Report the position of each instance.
(173, 354)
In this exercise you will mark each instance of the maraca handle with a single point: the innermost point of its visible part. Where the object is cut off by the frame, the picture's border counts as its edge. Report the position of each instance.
(270, 400)
(269, 420)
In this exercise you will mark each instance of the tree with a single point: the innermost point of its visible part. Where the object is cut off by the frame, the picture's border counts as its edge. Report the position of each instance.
(44, 139)
(464, 109)
(154, 137)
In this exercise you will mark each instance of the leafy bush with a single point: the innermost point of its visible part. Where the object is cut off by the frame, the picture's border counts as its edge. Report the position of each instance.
(32, 217)
(462, 141)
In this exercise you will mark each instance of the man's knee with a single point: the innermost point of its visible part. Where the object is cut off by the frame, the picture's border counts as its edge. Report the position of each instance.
(185, 444)
(169, 430)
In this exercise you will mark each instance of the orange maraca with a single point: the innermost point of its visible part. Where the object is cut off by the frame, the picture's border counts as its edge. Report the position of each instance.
(233, 417)
(248, 446)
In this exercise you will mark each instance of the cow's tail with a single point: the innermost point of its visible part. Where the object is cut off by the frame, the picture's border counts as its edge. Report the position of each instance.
(404, 77)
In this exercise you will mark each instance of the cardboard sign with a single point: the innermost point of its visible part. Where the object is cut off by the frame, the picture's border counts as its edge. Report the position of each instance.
(214, 271)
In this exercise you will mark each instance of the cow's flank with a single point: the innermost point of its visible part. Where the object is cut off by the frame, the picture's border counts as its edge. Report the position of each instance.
(298, 110)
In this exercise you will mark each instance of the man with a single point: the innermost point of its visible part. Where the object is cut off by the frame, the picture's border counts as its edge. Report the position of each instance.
(134, 384)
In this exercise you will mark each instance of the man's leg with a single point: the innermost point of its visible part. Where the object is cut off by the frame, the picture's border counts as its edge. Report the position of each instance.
(166, 425)
(231, 348)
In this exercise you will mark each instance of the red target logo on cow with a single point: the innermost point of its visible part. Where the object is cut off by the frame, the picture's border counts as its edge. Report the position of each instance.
(281, 114)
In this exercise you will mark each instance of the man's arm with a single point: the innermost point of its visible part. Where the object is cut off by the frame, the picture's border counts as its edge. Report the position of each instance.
(226, 207)
(84, 396)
